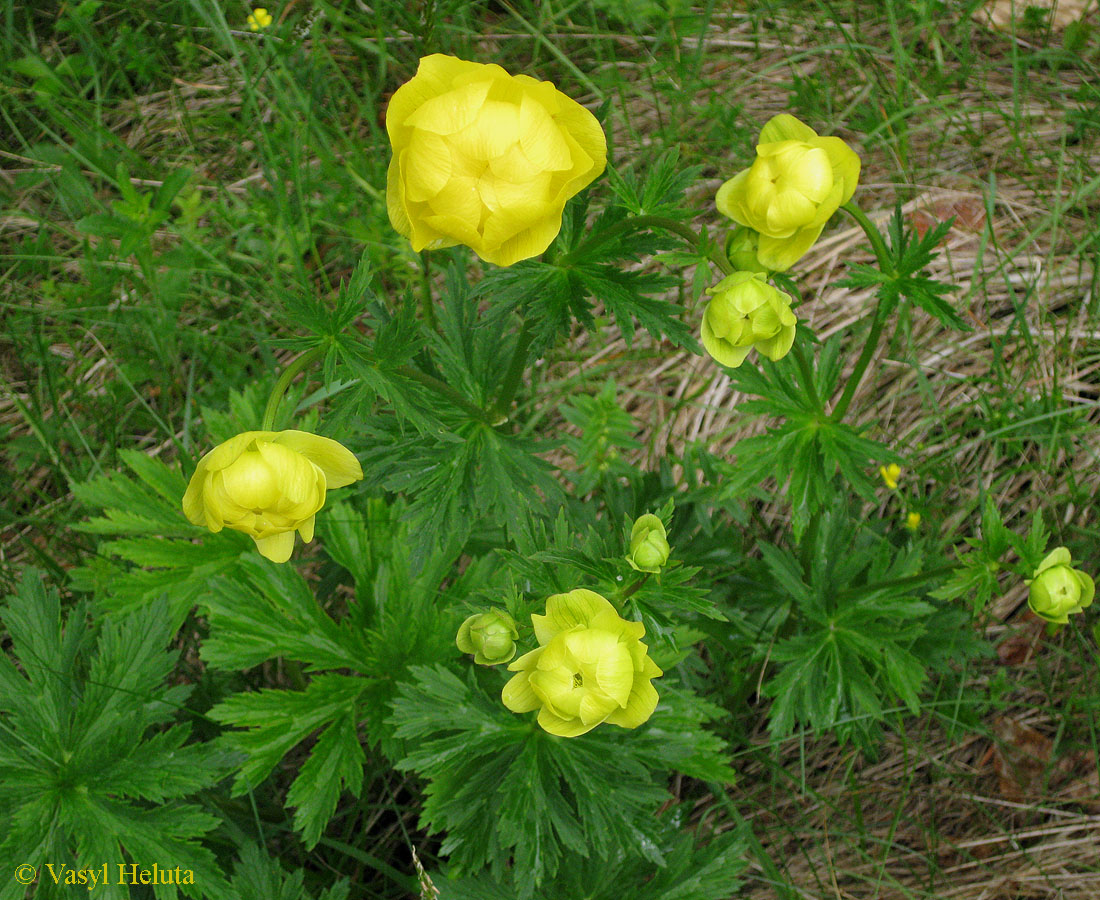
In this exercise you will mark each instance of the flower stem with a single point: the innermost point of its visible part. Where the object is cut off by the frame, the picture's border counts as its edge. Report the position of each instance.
(426, 284)
(500, 410)
(807, 376)
(283, 383)
(445, 390)
(861, 366)
(886, 264)
(882, 254)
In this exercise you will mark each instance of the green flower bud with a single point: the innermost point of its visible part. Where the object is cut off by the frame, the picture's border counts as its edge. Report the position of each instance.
(747, 312)
(742, 244)
(1057, 591)
(649, 547)
(490, 636)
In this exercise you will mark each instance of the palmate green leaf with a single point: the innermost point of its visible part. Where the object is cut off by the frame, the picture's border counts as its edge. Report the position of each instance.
(91, 765)
(910, 256)
(278, 720)
(257, 876)
(265, 610)
(486, 477)
(662, 191)
(336, 764)
(688, 871)
(144, 515)
(525, 804)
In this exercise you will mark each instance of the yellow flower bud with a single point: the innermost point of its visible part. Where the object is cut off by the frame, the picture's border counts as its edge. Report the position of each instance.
(788, 194)
(912, 521)
(591, 667)
(890, 475)
(490, 636)
(268, 484)
(747, 312)
(1057, 591)
(486, 159)
(649, 549)
(258, 19)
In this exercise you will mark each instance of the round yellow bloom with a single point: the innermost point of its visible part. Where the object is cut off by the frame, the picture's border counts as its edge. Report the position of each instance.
(268, 484)
(649, 549)
(591, 668)
(258, 19)
(747, 312)
(788, 194)
(486, 159)
(912, 521)
(1057, 591)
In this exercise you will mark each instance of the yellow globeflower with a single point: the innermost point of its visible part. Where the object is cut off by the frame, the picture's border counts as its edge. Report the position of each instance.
(890, 475)
(258, 19)
(486, 159)
(912, 521)
(1058, 591)
(268, 484)
(591, 668)
(747, 312)
(797, 182)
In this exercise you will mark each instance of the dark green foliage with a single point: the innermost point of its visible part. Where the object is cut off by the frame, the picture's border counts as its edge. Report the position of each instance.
(257, 876)
(144, 518)
(93, 765)
(521, 802)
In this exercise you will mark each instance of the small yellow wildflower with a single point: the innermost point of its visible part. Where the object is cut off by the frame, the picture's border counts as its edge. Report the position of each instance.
(890, 475)
(258, 19)
(912, 521)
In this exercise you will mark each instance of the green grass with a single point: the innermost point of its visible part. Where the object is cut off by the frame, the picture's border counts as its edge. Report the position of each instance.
(169, 178)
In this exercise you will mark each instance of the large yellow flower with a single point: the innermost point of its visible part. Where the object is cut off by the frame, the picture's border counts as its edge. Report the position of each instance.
(486, 159)
(797, 182)
(268, 484)
(591, 668)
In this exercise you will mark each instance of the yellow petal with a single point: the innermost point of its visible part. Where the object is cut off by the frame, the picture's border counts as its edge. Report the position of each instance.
(192, 499)
(296, 478)
(785, 127)
(460, 198)
(779, 254)
(555, 724)
(491, 133)
(723, 351)
(615, 674)
(563, 611)
(450, 111)
(643, 700)
(435, 75)
(540, 137)
(426, 165)
(845, 163)
(305, 530)
(338, 463)
(517, 694)
(278, 547)
(395, 198)
(250, 482)
(730, 198)
(530, 242)
(225, 453)
(527, 662)
(585, 129)
(594, 709)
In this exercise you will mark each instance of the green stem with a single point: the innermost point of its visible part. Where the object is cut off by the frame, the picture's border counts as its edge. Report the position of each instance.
(426, 283)
(861, 366)
(284, 382)
(634, 587)
(445, 390)
(513, 375)
(882, 254)
(807, 376)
